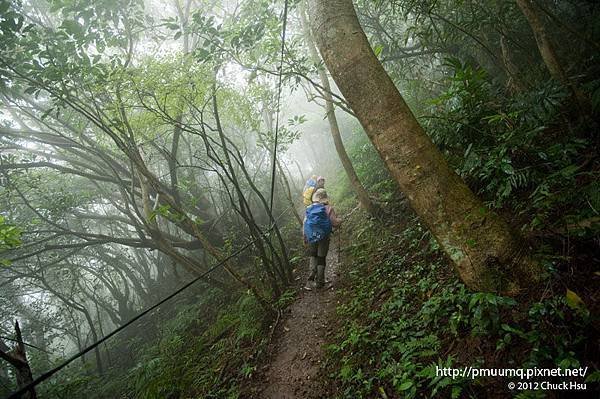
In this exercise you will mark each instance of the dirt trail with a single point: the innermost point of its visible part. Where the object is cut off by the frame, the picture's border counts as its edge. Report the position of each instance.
(301, 334)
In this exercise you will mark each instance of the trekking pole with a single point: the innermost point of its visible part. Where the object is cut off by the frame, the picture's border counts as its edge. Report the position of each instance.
(339, 247)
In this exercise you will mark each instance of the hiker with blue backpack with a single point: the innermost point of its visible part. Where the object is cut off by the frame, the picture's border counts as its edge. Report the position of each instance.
(319, 222)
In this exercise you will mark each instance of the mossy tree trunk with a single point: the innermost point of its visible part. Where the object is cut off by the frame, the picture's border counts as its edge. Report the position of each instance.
(484, 251)
(363, 196)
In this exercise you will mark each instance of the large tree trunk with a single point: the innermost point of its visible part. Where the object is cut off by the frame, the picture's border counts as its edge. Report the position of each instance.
(362, 194)
(546, 48)
(484, 251)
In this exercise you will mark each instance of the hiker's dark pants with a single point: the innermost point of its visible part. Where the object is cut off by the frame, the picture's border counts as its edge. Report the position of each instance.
(318, 253)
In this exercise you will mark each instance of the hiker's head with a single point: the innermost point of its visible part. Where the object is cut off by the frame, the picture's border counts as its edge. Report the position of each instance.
(321, 196)
(320, 182)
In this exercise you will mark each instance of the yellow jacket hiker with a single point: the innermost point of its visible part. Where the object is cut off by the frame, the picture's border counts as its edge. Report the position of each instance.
(311, 185)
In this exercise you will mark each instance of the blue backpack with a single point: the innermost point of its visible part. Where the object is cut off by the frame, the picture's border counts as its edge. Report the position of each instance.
(317, 226)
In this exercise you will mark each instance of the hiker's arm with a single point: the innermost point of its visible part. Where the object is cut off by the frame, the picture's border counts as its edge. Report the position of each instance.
(335, 221)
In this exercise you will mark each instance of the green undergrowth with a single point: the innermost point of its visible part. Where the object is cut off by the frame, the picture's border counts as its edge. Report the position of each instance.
(531, 159)
(185, 364)
(407, 313)
(194, 354)
(206, 344)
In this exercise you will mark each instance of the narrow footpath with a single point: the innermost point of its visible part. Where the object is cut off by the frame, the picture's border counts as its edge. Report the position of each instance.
(301, 333)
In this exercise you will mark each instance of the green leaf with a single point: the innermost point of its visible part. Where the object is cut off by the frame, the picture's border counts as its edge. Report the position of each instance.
(507, 168)
(4, 6)
(172, 25)
(345, 371)
(202, 54)
(574, 301)
(593, 377)
(73, 28)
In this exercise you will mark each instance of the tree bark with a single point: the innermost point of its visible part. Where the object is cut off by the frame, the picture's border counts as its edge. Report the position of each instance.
(88, 318)
(548, 53)
(363, 196)
(514, 82)
(485, 253)
(288, 192)
(17, 357)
